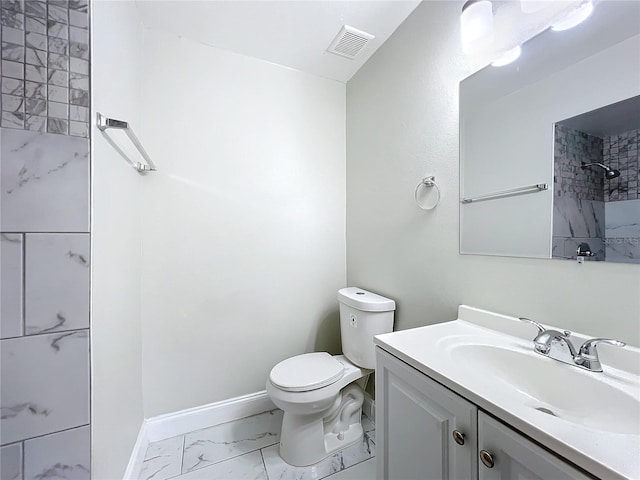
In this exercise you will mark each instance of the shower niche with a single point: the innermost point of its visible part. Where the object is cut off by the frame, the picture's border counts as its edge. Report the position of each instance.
(596, 200)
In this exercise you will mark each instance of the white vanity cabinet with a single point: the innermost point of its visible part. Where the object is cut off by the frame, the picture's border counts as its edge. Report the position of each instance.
(417, 426)
(514, 456)
(415, 421)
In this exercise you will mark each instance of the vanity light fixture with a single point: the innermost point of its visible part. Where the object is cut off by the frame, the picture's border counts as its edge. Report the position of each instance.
(476, 22)
(508, 57)
(574, 18)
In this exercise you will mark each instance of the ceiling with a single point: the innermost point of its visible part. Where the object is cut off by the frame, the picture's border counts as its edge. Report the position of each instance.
(295, 34)
(613, 119)
(552, 51)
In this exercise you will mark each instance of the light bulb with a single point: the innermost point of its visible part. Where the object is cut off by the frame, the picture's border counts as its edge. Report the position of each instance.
(576, 17)
(508, 57)
(476, 22)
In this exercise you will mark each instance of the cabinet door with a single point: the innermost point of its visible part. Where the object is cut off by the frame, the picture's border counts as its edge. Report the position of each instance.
(515, 456)
(415, 420)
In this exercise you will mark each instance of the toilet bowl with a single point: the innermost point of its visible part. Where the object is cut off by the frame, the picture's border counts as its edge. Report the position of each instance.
(320, 413)
(321, 395)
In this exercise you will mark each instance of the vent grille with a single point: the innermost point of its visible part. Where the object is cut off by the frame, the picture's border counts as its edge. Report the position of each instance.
(349, 42)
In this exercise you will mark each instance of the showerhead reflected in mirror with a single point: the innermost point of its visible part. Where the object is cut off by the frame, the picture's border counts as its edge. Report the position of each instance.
(596, 178)
(609, 173)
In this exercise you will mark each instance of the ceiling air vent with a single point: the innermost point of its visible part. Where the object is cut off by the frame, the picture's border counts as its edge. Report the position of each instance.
(349, 42)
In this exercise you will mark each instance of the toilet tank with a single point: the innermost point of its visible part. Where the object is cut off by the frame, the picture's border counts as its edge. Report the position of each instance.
(362, 316)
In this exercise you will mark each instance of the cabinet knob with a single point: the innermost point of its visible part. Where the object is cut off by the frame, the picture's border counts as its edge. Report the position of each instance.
(458, 437)
(487, 459)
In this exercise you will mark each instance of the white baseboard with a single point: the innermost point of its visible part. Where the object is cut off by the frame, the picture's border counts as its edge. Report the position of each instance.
(369, 407)
(185, 421)
(137, 455)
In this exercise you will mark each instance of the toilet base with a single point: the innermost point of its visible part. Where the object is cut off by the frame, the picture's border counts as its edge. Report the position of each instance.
(308, 452)
(308, 439)
(334, 444)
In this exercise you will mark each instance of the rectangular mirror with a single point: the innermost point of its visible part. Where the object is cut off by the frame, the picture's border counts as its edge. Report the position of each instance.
(523, 189)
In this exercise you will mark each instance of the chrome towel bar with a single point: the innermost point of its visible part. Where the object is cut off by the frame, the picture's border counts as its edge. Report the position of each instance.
(538, 187)
(103, 123)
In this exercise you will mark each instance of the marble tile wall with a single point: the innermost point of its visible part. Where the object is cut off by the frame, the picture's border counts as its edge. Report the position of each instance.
(622, 231)
(573, 148)
(578, 202)
(44, 240)
(621, 152)
(45, 66)
(35, 167)
(622, 197)
(578, 221)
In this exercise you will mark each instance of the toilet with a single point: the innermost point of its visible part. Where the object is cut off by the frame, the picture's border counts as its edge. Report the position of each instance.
(321, 395)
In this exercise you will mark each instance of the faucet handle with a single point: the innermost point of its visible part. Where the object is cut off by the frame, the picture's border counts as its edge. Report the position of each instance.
(588, 355)
(588, 348)
(533, 322)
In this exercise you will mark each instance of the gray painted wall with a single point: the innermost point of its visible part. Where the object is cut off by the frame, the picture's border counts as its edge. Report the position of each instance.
(402, 123)
(116, 284)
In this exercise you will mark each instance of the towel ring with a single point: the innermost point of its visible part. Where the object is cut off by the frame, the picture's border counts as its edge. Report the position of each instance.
(431, 183)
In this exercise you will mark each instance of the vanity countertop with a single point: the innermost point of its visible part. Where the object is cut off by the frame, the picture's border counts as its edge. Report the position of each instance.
(604, 440)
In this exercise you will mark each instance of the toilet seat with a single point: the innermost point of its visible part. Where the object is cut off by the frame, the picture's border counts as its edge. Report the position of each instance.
(306, 372)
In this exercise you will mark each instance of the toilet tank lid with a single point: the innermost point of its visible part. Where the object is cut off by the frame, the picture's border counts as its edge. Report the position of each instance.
(365, 301)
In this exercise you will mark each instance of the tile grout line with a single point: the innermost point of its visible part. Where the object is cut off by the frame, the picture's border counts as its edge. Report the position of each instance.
(24, 285)
(45, 435)
(264, 464)
(184, 442)
(75, 330)
(22, 455)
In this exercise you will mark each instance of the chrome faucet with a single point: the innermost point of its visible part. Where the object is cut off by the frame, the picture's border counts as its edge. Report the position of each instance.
(557, 345)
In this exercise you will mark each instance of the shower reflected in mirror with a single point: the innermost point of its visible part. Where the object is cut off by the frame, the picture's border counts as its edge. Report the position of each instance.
(596, 178)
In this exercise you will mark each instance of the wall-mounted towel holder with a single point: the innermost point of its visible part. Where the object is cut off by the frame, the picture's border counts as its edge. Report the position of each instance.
(104, 123)
(429, 182)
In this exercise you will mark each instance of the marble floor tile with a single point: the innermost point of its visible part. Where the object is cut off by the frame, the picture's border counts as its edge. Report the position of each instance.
(367, 424)
(245, 467)
(11, 462)
(357, 453)
(44, 384)
(221, 442)
(64, 455)
(163, 459)
(362, 471)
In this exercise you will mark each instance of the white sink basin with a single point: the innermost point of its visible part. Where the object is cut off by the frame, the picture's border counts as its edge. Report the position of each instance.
(590, 418)
(553, 388)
